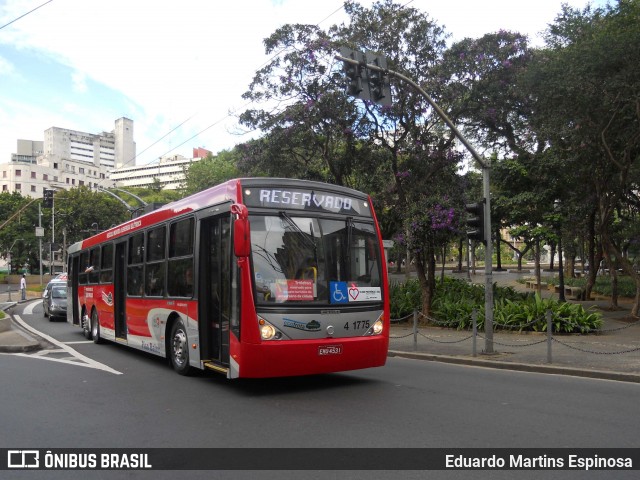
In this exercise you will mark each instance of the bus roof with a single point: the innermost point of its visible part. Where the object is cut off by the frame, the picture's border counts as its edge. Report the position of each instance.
(230, 191)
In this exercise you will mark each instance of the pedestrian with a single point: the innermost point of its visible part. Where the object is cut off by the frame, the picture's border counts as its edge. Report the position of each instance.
(23, 287)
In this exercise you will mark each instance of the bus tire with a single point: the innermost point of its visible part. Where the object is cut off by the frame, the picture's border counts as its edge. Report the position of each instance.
(86, 326)
(179, 348)
(95, 327)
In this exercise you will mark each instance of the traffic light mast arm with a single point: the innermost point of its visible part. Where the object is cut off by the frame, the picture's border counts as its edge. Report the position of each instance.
(483, 163)
(486, 166)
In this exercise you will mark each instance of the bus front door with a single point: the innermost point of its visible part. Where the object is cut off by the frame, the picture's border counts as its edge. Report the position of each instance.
(214, 291)
(73, 274)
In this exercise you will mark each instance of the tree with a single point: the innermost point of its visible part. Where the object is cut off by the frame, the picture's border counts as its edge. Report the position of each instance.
(18, 242)
(588, 93)
(313, 130)
(210, 171)
(81, 212)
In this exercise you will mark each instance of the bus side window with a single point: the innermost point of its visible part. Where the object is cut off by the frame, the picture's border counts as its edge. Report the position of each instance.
(180, 261)
(135, 281)
(84, 264)
(155, 266)
(106, 264)
(93, 269)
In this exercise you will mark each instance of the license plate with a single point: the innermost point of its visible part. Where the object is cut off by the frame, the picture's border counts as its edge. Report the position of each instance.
(330, 350)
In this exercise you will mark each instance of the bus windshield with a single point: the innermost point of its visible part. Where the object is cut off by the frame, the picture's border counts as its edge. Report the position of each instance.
(317, 260)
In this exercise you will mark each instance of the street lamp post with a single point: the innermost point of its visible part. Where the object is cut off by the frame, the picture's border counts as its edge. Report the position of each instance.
(9, 254)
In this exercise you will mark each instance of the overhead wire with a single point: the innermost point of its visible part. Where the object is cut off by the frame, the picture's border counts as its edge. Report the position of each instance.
(275, 55)
(24, 15)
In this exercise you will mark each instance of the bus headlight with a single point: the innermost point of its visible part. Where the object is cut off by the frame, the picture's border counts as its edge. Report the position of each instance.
(378, 327)
(267, 332)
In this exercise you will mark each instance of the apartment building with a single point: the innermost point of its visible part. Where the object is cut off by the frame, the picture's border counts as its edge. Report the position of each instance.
(168, 171)
(68, 158)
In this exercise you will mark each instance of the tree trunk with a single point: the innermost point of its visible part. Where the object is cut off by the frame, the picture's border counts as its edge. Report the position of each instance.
(595, 257)
(570, 266)
(424, 287)
(536, 255)
(498, 257)
(628, 268)
(613, 272)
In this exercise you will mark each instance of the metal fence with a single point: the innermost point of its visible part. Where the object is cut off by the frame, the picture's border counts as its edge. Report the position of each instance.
(550, 337)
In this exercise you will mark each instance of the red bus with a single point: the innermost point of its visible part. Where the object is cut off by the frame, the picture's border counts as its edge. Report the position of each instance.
(256, 277)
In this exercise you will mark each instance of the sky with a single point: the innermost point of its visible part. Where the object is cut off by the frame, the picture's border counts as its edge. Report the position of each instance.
(177, 69)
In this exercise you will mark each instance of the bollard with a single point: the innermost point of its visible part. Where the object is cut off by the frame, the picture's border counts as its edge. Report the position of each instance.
(549, 336)
(474, 318)
(415, 330)
(9, 290)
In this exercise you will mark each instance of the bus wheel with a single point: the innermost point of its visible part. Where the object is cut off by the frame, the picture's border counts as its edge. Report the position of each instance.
(86, 326)
(179, 348)
(95, 327)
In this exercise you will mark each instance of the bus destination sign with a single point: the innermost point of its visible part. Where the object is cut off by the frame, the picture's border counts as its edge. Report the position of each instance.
(304, 200)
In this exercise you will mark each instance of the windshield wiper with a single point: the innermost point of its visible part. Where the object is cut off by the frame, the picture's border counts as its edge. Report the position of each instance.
(350, 227)
(304, 236)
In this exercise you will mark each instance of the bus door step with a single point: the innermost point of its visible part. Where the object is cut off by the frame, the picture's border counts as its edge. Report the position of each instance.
(218, 368)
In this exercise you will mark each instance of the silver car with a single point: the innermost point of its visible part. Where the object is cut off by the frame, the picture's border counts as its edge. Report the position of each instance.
(55, 300)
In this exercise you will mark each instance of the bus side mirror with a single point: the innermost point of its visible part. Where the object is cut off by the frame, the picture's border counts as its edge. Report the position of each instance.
(241, 242)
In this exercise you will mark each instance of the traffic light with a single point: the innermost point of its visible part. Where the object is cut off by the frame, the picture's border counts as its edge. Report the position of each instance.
(354, 74)
(47, 198)
(475, 221)
(379, 89)
(354, 79)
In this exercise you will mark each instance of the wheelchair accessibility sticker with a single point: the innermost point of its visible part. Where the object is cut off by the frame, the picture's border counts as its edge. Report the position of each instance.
(342, 293)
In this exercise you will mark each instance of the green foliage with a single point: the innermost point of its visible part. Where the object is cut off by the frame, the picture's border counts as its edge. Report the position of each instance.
(626, 285)
(405, 298)
(18, 235)
(210, 171)
(152, 194)
(81, 212)
(456, 299)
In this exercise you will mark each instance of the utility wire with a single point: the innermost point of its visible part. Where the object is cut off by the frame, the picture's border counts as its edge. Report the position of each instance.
(275, 55)
(22, 16)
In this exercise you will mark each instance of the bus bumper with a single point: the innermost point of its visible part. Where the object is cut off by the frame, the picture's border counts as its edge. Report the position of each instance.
(306, 357)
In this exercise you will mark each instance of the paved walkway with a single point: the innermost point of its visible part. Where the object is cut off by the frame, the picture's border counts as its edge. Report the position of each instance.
(613, 354)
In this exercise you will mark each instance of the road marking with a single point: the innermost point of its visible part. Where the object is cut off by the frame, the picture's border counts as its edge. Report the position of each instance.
(28, 310)
(78, 357)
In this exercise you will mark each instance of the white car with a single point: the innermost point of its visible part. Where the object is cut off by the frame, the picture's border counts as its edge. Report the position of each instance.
(60, 278)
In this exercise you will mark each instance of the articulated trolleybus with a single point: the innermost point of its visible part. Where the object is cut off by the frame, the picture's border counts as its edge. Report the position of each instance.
(258, 277)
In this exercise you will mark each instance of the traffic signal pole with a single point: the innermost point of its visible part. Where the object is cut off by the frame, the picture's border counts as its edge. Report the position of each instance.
(485, 165)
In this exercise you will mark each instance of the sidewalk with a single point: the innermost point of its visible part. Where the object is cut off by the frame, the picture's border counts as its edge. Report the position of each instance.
(613, 354)
(13, 338)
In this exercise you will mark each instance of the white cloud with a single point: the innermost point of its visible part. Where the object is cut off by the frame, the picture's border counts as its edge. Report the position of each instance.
(79, 82)
(6, 68)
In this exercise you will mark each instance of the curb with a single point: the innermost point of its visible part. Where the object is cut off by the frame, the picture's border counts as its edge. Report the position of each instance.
(522, 367)
(29, 347)
(13, 339)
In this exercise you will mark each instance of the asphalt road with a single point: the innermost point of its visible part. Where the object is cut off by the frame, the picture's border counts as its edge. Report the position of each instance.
(78, 395)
